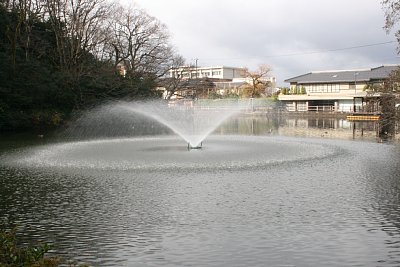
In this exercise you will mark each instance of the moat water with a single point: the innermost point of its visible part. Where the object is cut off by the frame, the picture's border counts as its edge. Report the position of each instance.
(292, 192)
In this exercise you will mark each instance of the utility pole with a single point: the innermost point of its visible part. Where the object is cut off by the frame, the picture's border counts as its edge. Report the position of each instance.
(196, 59)
(355, 91)
(196, 82)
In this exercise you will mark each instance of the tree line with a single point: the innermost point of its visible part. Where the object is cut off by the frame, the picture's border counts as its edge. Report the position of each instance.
(58, 56)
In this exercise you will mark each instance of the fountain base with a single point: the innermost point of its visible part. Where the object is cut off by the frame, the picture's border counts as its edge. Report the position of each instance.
(189, 146)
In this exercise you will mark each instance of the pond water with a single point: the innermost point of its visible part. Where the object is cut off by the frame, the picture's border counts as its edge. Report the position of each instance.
(255, 195)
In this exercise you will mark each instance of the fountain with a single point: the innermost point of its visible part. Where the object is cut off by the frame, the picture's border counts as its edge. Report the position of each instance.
(137, 136)
(192, 121)
(126, 192)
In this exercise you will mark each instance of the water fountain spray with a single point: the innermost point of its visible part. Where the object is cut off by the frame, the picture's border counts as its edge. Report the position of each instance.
(193, 121)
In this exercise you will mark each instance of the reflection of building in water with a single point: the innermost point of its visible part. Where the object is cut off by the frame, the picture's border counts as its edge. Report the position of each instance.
(306, 127)
(316, 122)
(328, 127)
(249, 125)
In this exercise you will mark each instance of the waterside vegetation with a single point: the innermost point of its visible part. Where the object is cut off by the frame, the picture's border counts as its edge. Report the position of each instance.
(57, 57)
(13, 254)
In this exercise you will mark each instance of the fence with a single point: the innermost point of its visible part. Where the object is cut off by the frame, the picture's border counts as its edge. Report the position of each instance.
(329, 108)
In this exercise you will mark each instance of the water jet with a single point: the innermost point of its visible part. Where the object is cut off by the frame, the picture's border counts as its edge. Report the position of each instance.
(193, 121)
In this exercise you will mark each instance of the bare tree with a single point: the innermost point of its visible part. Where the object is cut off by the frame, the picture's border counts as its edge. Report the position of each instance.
(173, 83)
(258, 80)
(78, 27)
(141, 42)
(14, 31)
(392, 17)
(31, 11)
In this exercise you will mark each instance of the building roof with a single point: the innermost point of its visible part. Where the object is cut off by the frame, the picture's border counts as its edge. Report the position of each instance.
(192, 68)
(218, 67)
(335, 76)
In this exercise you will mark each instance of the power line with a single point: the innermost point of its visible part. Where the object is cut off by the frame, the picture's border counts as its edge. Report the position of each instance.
(313, 52)
(334, 50)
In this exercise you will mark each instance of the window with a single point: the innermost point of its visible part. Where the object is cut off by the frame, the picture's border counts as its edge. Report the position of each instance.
(216, 73)
(323, 88)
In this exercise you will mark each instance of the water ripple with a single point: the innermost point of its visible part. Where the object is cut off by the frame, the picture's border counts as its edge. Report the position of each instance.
(325, 203)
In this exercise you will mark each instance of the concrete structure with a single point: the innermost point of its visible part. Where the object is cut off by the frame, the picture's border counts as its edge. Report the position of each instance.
(335, 91)
(219, 72)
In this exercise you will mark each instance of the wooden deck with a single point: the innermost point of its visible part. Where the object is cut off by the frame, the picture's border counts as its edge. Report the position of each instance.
(363, 117)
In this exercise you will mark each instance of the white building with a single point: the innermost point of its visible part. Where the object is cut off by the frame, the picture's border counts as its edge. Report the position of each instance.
(337, 91)
(221, 80)
(218, 72)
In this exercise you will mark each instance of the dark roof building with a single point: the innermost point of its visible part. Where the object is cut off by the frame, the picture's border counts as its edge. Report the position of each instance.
(336, 90)
(339, 76)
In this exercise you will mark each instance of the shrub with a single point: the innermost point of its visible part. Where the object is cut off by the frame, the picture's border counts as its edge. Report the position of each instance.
(12, 255)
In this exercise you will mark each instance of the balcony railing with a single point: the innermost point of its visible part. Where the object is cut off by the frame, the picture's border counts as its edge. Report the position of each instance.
(304, 108)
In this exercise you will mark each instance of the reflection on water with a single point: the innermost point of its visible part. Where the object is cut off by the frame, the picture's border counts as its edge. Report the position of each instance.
(311, 126)
(340, 209)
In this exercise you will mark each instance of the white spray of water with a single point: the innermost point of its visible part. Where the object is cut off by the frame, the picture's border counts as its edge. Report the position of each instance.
(193, 121)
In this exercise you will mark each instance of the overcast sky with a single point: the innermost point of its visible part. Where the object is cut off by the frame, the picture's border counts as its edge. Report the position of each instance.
(293, 37)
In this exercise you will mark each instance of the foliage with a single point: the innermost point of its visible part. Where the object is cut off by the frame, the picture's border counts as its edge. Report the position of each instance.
(231, 95)
(12, 255)
(53, 63)
(214, 95)
(392, 17)
(389, 94)
(372, 88)
(258, 81)
(275, 97)
(228, 95)
(392, 85)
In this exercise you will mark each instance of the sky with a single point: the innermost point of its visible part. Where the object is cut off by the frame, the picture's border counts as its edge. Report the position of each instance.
(292, 37)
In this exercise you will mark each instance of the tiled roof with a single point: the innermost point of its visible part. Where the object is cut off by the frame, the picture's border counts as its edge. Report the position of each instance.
(381, 72)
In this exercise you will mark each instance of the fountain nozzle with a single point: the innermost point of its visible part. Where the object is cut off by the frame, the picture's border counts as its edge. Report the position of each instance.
(189, 146)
